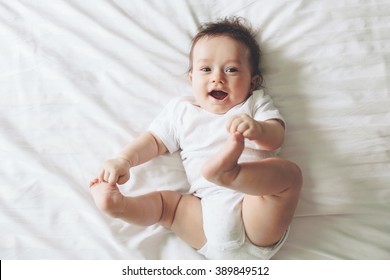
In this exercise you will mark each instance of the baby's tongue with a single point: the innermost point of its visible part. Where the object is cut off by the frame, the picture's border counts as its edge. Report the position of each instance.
(218, 94)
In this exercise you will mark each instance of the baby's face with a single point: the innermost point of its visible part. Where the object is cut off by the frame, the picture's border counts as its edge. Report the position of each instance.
(221, 73)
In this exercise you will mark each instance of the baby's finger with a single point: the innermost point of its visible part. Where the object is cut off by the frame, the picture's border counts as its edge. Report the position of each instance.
(106, 176)
(101, 175)
(248, 134)
(229, 127)
(113, 178)
(242, 127)
(235, 126)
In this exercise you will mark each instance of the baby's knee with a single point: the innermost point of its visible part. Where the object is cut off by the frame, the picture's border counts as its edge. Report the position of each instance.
(297, 177)
(170, 200)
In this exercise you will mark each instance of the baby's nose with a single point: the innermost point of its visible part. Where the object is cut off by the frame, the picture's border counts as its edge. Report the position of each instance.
(218, 77)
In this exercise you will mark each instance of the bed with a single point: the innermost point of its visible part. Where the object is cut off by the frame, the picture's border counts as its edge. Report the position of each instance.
(80, 79)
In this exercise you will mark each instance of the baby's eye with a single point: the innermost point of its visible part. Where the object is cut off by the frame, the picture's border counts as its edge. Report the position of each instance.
(231, 70)
(205, 69)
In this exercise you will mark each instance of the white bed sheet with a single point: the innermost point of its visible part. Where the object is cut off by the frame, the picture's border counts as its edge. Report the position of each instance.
(79, 79)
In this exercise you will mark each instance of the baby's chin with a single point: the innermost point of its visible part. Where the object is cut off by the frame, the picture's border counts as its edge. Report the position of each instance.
(216, 108)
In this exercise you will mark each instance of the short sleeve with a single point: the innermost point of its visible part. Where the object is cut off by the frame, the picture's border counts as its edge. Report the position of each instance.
(263, 108)
(163, 126)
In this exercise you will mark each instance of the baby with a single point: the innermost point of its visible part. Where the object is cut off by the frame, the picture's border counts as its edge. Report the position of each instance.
(242, 197)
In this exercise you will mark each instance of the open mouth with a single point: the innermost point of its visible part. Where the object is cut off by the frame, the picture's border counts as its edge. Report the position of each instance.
(218, 94)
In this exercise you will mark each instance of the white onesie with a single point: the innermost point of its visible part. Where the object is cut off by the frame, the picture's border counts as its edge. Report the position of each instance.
(199, 135)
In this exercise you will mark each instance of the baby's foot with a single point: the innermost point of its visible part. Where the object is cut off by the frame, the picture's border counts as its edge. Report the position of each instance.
(223, 168)
(107, 197)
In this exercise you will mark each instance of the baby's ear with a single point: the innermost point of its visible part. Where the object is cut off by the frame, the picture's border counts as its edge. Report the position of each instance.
(190, 75)
(255, 82)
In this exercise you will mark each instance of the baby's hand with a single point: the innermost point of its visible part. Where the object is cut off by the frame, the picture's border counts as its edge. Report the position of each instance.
(247, 126)
(115, 171)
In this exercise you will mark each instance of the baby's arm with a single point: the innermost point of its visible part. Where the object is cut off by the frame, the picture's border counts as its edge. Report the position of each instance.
(144, 148)
(267, 134)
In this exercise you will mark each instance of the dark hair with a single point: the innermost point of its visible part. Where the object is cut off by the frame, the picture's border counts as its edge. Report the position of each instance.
(237, 28)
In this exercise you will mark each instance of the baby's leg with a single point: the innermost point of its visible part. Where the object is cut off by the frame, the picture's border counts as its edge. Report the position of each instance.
(223, 168)
(264, 177)
(272, 186)
(180, 213)
(147, 209)
(188, 221)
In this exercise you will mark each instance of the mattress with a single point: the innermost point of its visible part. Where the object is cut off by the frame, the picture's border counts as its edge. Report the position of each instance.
(80, 79)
